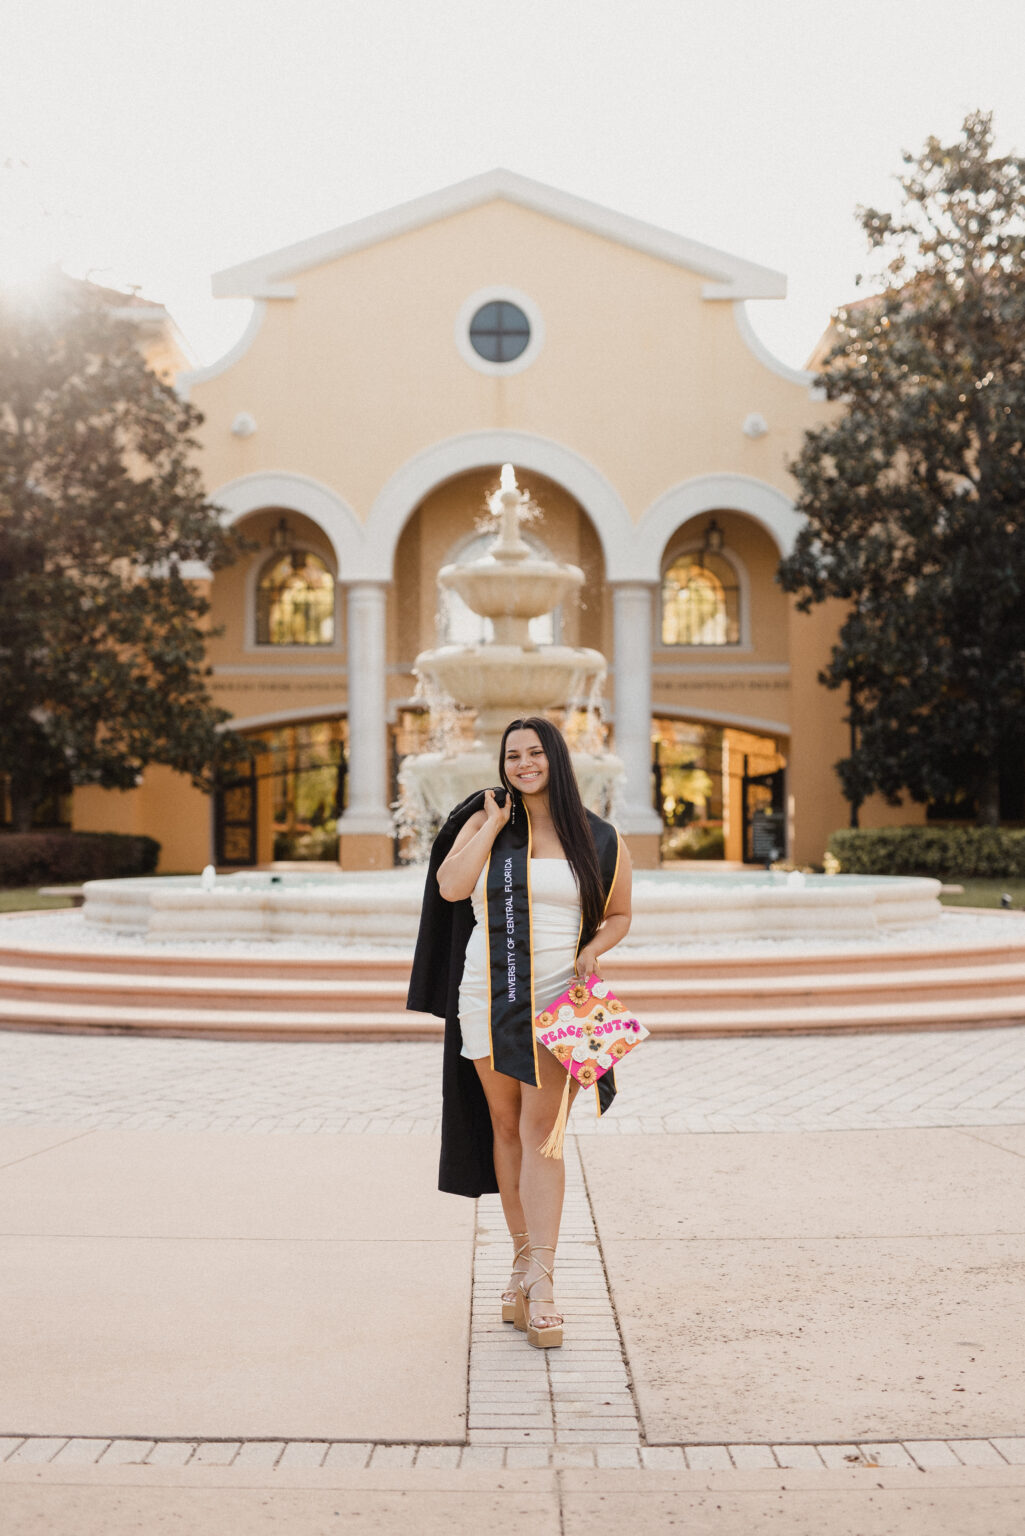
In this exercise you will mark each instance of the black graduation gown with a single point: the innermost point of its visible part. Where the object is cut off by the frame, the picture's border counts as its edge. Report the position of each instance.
(467, 1164)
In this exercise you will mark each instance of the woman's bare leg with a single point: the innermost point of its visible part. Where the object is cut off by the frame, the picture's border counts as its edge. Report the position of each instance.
(503, 1096)
(542, 1181)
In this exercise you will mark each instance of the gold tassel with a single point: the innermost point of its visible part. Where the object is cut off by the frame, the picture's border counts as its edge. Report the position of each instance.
(552, 1145)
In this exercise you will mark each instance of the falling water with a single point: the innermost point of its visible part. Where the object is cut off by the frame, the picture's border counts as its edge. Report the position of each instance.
(446, 731)
(470, 690)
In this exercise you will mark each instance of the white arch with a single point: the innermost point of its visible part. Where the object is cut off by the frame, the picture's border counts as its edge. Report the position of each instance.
(186, 382)
(293, 716)
(708, 493)
(700, 716)
(755, 344)
(475, 450)
(298, 493)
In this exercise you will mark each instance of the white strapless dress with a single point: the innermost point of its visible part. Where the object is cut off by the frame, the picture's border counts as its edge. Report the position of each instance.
(555, 926)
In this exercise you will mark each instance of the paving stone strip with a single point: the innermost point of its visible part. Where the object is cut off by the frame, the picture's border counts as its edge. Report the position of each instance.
(62, 1451)
(575, 1395)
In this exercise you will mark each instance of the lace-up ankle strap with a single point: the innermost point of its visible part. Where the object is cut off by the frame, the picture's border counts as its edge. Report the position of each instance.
(545, 1271)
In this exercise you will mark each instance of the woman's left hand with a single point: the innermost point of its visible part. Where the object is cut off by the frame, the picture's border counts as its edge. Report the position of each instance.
(587, 964)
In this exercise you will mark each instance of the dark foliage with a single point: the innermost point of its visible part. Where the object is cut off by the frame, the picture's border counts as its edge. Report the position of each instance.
(42, 858)
(102, 659)
(915, 496)
(963, 853)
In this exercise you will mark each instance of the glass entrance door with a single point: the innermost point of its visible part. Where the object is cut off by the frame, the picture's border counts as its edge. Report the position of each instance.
(764, 812)
(308, 770)
(235, 820)
(688, 771)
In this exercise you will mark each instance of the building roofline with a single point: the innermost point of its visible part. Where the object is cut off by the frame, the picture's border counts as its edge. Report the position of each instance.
(728, 277)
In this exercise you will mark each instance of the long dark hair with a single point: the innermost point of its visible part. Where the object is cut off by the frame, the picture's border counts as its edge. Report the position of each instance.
(568, 816)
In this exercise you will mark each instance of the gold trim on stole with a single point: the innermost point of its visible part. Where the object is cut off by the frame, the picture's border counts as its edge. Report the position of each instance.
(612, 887)
(530, 945)
(487, 957)
(615, 872)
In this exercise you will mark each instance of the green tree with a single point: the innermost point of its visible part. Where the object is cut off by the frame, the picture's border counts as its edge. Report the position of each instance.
(915, 495)
(102, 639)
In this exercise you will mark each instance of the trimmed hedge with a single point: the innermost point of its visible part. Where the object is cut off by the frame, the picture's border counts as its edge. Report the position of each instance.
(52, 858)
(996, 853)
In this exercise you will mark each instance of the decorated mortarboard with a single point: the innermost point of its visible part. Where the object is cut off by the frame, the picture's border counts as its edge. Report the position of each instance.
(588, 1030)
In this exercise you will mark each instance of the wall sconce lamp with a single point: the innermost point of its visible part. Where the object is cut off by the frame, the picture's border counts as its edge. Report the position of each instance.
(712, 542)
(281, 535)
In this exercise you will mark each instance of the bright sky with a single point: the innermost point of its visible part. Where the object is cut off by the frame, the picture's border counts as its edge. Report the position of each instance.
(156, 141)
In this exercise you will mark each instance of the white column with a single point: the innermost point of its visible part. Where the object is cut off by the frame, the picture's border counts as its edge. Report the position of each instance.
(368, 759)
(632, 642)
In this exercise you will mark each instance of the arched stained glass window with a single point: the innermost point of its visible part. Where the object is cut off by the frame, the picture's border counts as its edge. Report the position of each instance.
(295, 601)
(700, 601)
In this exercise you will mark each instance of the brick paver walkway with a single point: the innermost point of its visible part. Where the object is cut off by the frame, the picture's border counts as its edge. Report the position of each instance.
(532, 1397)
(804, 1082)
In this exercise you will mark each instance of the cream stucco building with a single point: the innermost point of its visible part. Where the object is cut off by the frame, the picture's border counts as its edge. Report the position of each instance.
(389, 369)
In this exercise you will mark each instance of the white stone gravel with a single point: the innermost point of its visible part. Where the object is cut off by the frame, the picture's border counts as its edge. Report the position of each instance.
(68, 930)
(951, 931)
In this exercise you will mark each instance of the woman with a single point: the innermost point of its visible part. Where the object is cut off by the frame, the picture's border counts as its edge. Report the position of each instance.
(525, 890)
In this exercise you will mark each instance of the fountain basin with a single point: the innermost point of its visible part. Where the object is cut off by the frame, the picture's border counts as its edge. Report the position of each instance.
(382, 909)
(510, 678)
(365, 909)
(524, 589)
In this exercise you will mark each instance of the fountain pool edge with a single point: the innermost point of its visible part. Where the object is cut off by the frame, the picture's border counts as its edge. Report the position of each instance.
(383, 908)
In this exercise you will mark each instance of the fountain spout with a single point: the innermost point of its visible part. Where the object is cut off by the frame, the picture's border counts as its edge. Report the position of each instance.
(511, 585)
(507, 504)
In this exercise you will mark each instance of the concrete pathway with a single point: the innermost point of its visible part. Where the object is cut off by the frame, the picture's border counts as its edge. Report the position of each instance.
(171, 1284)
(236, 1302)
(822, 1286)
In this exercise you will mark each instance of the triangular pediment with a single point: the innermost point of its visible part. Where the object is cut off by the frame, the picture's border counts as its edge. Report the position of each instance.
(727, 277)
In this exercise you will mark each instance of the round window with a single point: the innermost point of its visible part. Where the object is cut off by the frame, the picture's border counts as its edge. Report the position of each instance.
(499, 331)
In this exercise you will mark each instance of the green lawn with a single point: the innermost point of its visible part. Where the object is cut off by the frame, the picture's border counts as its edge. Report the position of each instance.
(986, 893)
(26, 898)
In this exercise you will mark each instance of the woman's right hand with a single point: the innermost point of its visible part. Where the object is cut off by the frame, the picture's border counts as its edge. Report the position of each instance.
(497, 815)
(457, 874)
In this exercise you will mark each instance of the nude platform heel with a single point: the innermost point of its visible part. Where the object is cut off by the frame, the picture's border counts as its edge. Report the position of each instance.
(549, 1337)
(509, 1307)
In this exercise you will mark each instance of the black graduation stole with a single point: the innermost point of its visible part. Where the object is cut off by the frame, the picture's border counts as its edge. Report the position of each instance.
(510, 950)
(509, 947)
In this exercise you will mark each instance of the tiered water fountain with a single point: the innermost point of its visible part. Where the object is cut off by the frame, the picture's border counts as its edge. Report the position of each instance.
(506, 676)
(497, 680)
(326, 955)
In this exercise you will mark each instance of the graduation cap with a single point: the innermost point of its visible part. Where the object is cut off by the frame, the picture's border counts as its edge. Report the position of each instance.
(588, 1030)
